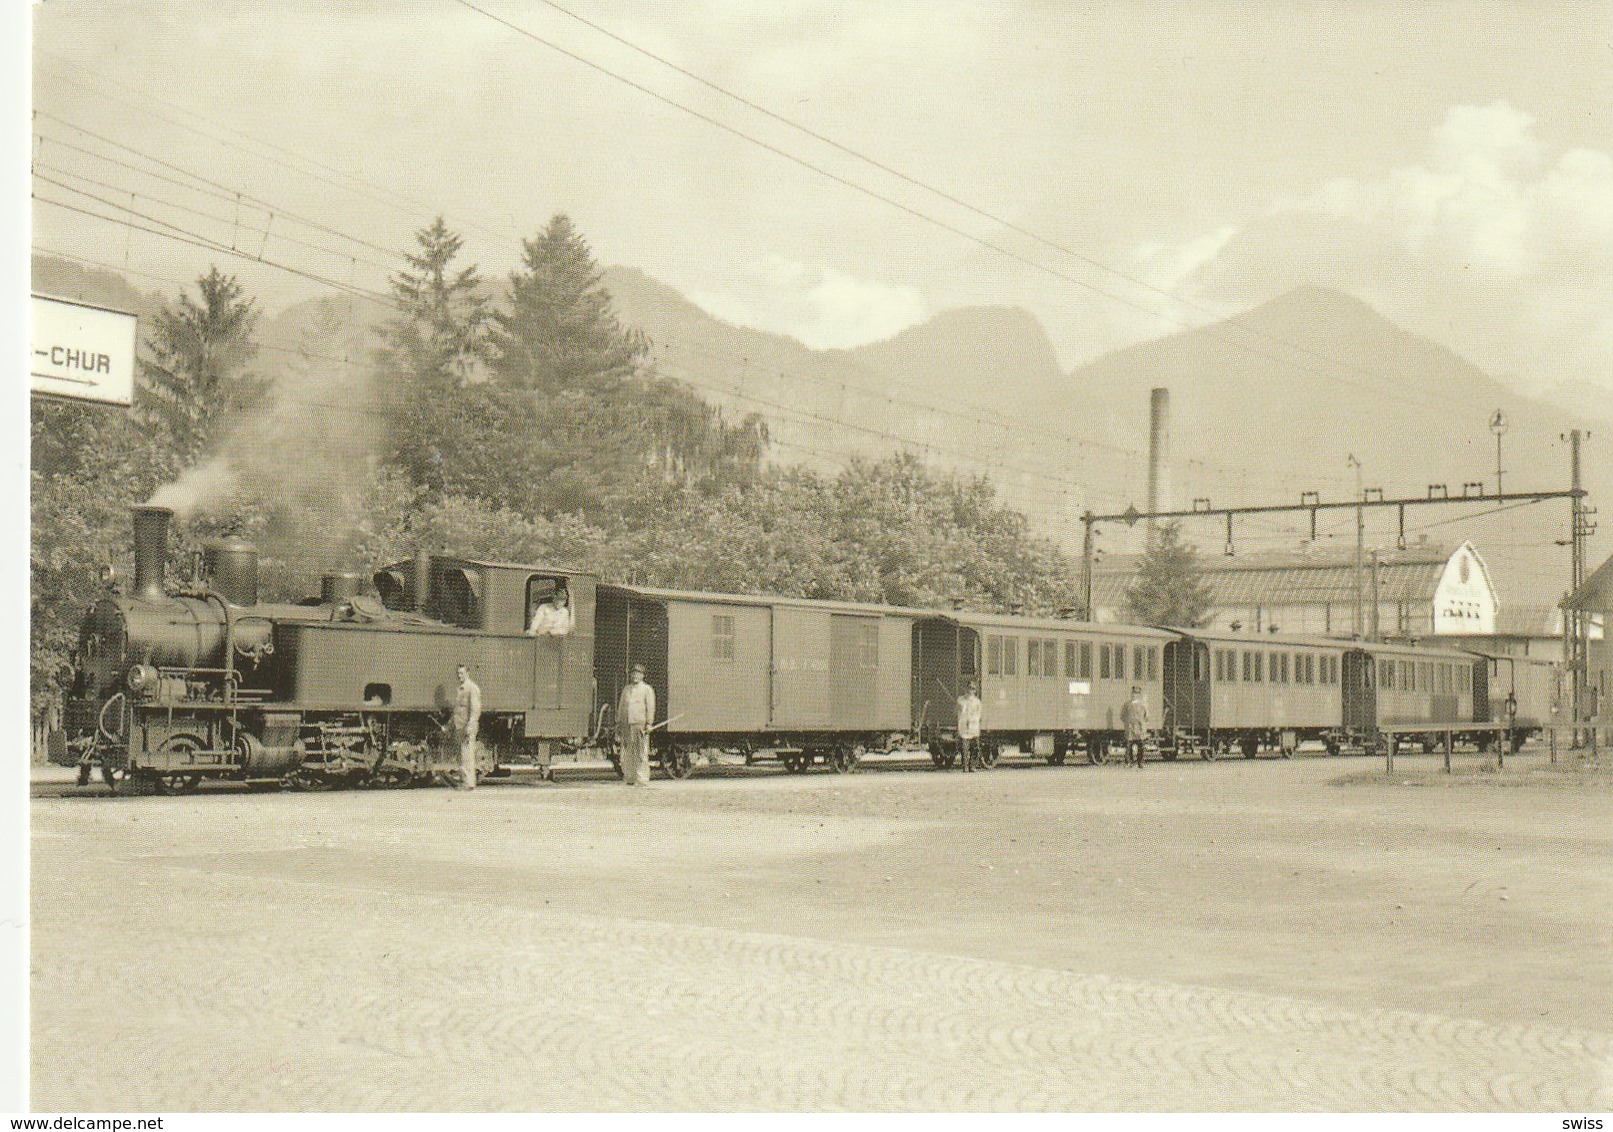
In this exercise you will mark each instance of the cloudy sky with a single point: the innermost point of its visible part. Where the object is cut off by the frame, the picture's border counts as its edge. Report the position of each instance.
(1137, 165)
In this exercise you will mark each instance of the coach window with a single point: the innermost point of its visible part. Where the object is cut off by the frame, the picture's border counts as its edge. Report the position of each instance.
(1103, 662)
(1069, 659)
(1050, 658)
(1153, 664)
(1139, 662)
(722, 637)
(869, 642)
(1033, 657)
(1010, 656)
(1260, 667)
(1086, 660)
(994, 656)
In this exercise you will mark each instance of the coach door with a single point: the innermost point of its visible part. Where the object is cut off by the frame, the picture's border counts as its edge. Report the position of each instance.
(800, 670)
(1360, 692)
(1187, 686)
(1481, 689)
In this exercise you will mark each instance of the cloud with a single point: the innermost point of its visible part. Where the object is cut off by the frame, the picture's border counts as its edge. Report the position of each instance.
(1490, 245)
(821, 307)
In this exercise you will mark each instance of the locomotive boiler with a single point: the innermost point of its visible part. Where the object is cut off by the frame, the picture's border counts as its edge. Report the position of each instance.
(174, 683)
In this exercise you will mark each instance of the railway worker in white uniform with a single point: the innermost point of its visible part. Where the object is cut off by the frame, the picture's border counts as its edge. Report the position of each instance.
(969, 726)
(552, 617)
(467, 719)
(1134, 718)
(635, 711)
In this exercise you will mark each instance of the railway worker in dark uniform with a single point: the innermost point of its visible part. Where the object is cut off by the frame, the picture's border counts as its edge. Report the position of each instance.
(635, 711)
(969, 727)
(1134, 718)
(467, 719)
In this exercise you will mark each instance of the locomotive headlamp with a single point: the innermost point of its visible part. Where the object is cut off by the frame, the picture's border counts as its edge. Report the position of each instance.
(142, 679)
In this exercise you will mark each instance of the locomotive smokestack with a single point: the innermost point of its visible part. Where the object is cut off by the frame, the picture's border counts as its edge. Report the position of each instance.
(150, 549)
(1159, 453)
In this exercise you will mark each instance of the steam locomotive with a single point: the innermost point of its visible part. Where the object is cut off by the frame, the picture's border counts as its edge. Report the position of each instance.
(176, 684)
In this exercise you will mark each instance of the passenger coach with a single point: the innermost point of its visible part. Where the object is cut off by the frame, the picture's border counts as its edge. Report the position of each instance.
(1047, 686)
(1223, 691)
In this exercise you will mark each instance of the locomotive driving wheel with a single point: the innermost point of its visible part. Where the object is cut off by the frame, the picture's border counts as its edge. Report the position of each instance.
(1097, 751)
(843, 759)
(989, 754)
(178, 782)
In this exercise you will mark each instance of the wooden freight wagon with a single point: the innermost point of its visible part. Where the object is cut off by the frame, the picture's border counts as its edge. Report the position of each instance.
(1047, 686)
(766, 677)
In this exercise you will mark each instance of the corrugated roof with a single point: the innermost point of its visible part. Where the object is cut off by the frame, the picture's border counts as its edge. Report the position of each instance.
(1291, 579)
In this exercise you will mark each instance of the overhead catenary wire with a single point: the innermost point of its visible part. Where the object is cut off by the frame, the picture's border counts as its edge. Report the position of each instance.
(226, 193)
(909, 209)
(950, 197)
(166, 203)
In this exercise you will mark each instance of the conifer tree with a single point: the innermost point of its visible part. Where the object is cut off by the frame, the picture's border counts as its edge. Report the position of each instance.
(430, 351)
(194, 375)
(1168, 588)
(558, 332)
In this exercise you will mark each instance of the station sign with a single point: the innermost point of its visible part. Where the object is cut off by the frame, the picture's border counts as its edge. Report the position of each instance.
(82, 352)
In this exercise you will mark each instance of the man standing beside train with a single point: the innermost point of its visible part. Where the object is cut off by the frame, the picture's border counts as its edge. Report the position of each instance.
(1134, 718)
(635, 711)
(969, 727)
(467, 718)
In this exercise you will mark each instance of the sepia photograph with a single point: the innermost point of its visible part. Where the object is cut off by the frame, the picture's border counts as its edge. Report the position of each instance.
(811, 556)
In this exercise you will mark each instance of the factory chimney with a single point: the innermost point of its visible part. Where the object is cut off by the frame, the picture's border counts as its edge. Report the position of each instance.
(150, 549)
(1159, 453)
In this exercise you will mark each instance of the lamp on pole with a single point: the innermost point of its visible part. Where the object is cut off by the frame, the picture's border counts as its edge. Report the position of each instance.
(1498, 425)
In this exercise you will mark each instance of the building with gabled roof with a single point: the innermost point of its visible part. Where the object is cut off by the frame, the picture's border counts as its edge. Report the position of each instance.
(1423, 591)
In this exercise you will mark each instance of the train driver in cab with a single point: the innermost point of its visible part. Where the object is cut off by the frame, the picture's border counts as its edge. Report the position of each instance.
(552, 616)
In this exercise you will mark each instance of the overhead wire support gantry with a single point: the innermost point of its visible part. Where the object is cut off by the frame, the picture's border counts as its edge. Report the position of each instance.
(1370, 497)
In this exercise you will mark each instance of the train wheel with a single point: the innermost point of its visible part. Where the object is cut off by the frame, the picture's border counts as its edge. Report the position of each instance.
(1097, 752)
(1251, 747)
(178, 783)
(1056, 759)
(989, 754)
(1332, 749)
(843, 760)
(310, 781)
(679, 763)
(1208, 752)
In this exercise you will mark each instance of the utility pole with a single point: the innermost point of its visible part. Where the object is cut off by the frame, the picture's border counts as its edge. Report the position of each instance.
(1574, 625)
(1360, 542)
(1086, 565)
(1377, 630)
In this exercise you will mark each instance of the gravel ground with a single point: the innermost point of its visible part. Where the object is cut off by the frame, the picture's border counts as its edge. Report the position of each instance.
(1229, 936)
